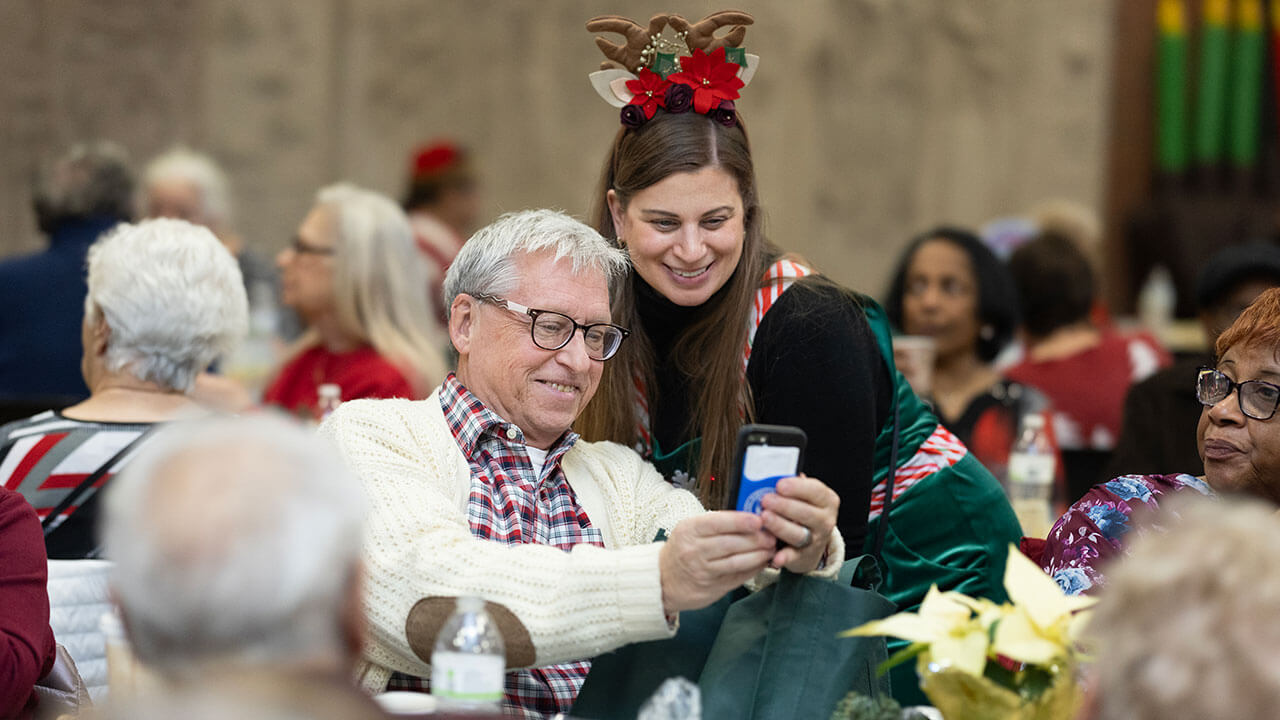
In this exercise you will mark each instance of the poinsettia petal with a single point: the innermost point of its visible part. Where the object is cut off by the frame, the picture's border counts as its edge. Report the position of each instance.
(1018, 638)
(907, 626)
(1033, 590)
(704, 100)
(966, 651)
(944, 607)
(697, 64)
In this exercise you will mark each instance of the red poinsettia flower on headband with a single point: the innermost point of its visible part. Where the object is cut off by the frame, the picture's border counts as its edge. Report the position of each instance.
(650, 92)
(712, 78)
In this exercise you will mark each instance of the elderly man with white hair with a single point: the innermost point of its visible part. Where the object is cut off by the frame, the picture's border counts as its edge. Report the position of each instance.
(165, 300)
(483, 489)
(236, 545)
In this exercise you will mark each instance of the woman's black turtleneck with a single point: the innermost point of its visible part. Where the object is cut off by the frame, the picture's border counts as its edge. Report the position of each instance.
(814, 364)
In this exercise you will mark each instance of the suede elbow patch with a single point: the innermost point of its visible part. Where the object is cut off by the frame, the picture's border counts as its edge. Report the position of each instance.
(429, 614)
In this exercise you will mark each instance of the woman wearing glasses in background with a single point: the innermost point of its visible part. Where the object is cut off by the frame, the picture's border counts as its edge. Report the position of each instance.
(1238, 438)
(353, 274)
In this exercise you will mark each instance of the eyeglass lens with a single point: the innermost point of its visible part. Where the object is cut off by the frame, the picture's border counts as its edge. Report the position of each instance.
(552, 331)
(1257, 399)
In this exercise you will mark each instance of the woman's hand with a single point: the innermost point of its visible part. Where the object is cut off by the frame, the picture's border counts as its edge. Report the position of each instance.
(802, 514)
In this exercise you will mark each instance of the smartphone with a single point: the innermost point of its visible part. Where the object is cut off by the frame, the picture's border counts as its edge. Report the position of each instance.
(765, 455)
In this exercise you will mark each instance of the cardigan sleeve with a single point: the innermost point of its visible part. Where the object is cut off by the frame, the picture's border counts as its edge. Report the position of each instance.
(815, 364)
(26, 641)
(418, 545)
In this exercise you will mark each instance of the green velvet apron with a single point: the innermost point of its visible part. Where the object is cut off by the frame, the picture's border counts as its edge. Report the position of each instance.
(951, 529)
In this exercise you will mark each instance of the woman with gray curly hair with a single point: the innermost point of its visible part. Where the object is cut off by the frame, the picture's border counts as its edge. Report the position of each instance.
(1186, 628)
(165, 300)
(355, 276)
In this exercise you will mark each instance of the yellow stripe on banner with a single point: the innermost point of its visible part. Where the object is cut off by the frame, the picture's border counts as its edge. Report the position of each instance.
(1275, 15)
(1216, 12)
(1249, 15)
(1171, 19)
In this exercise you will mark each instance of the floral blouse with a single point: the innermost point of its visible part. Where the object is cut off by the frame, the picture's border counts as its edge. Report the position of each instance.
(1094, 530)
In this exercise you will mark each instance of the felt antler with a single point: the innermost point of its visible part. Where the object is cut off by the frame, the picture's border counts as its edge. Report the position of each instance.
(702, 34)
(625, 56)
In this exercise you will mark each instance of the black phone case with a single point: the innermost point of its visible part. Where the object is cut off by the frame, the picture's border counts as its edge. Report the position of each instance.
(773, 435)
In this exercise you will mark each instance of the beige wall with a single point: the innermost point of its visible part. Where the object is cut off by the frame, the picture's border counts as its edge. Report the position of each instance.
(870, 119)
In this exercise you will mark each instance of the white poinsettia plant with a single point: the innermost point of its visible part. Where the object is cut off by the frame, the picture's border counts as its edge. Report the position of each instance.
(1021, 646)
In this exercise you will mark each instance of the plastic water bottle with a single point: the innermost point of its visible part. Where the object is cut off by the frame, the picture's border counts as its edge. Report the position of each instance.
(468, 663)
(1031, 468)
(328, 398)
(1157, 301)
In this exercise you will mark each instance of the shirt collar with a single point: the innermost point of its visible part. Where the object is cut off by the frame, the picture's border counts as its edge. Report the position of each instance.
(471, 421)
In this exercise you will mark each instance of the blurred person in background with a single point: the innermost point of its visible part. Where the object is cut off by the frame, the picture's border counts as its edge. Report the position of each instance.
(1238, 438)
(78, 197)
(354, 276)
(1085, 370)
(187, 185)
(444, 209)
(1161, 412)
(1187, 628)
(236, 544)
(165, 299)
(949, 286)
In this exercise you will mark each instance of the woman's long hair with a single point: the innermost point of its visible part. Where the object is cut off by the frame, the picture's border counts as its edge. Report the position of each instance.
(380, 283)
(709, 351)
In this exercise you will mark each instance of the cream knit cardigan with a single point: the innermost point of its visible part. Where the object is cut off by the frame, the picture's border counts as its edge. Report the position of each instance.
(418, 543)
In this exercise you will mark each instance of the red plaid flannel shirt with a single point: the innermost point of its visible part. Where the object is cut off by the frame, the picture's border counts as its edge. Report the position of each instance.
(509, 504)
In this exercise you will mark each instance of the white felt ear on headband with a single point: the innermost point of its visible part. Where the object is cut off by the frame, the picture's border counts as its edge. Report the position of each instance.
(611, 85)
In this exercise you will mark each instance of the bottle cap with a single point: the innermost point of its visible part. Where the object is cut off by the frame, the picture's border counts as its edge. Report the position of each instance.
(470, 603)
(1033, 420)
(329, 391)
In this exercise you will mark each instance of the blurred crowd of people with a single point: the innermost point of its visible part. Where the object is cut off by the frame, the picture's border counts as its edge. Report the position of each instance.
(517, 411)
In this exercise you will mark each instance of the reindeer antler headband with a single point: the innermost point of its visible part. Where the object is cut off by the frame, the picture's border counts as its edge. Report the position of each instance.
(642, 74)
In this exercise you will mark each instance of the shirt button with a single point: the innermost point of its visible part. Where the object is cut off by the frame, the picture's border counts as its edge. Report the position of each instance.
(511, 433)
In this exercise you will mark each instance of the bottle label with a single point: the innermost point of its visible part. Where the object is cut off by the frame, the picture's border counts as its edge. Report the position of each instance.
(1027, 469)
(467, 677)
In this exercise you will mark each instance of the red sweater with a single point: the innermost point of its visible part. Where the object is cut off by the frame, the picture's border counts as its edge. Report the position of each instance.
(1088, 389)
(26, 640)
(361, 373)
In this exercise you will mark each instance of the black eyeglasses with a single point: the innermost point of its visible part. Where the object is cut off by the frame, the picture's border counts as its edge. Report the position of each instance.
(1257, 399)
(302, 248)
(551, 330)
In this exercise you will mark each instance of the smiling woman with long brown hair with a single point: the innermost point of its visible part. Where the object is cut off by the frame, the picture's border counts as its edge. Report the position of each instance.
(727, 329)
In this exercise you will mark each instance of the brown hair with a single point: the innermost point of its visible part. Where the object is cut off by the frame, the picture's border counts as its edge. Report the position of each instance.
(1054, 281)
(709, 351)
(1259, 324)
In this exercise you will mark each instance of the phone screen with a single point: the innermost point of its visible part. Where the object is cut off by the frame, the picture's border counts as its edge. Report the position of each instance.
(762, 467)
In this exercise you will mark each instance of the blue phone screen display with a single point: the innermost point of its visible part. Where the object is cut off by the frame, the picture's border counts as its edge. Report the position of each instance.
(762, 467)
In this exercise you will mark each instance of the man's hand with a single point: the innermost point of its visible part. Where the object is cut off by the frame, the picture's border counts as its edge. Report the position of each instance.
(802, 514)
(708, 555)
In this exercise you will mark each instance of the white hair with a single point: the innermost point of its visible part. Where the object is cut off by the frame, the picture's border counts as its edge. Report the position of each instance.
(380, 281)
(1187, 625)
(486, 264)
(172, 296)
(234, 540)
(200, 171)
